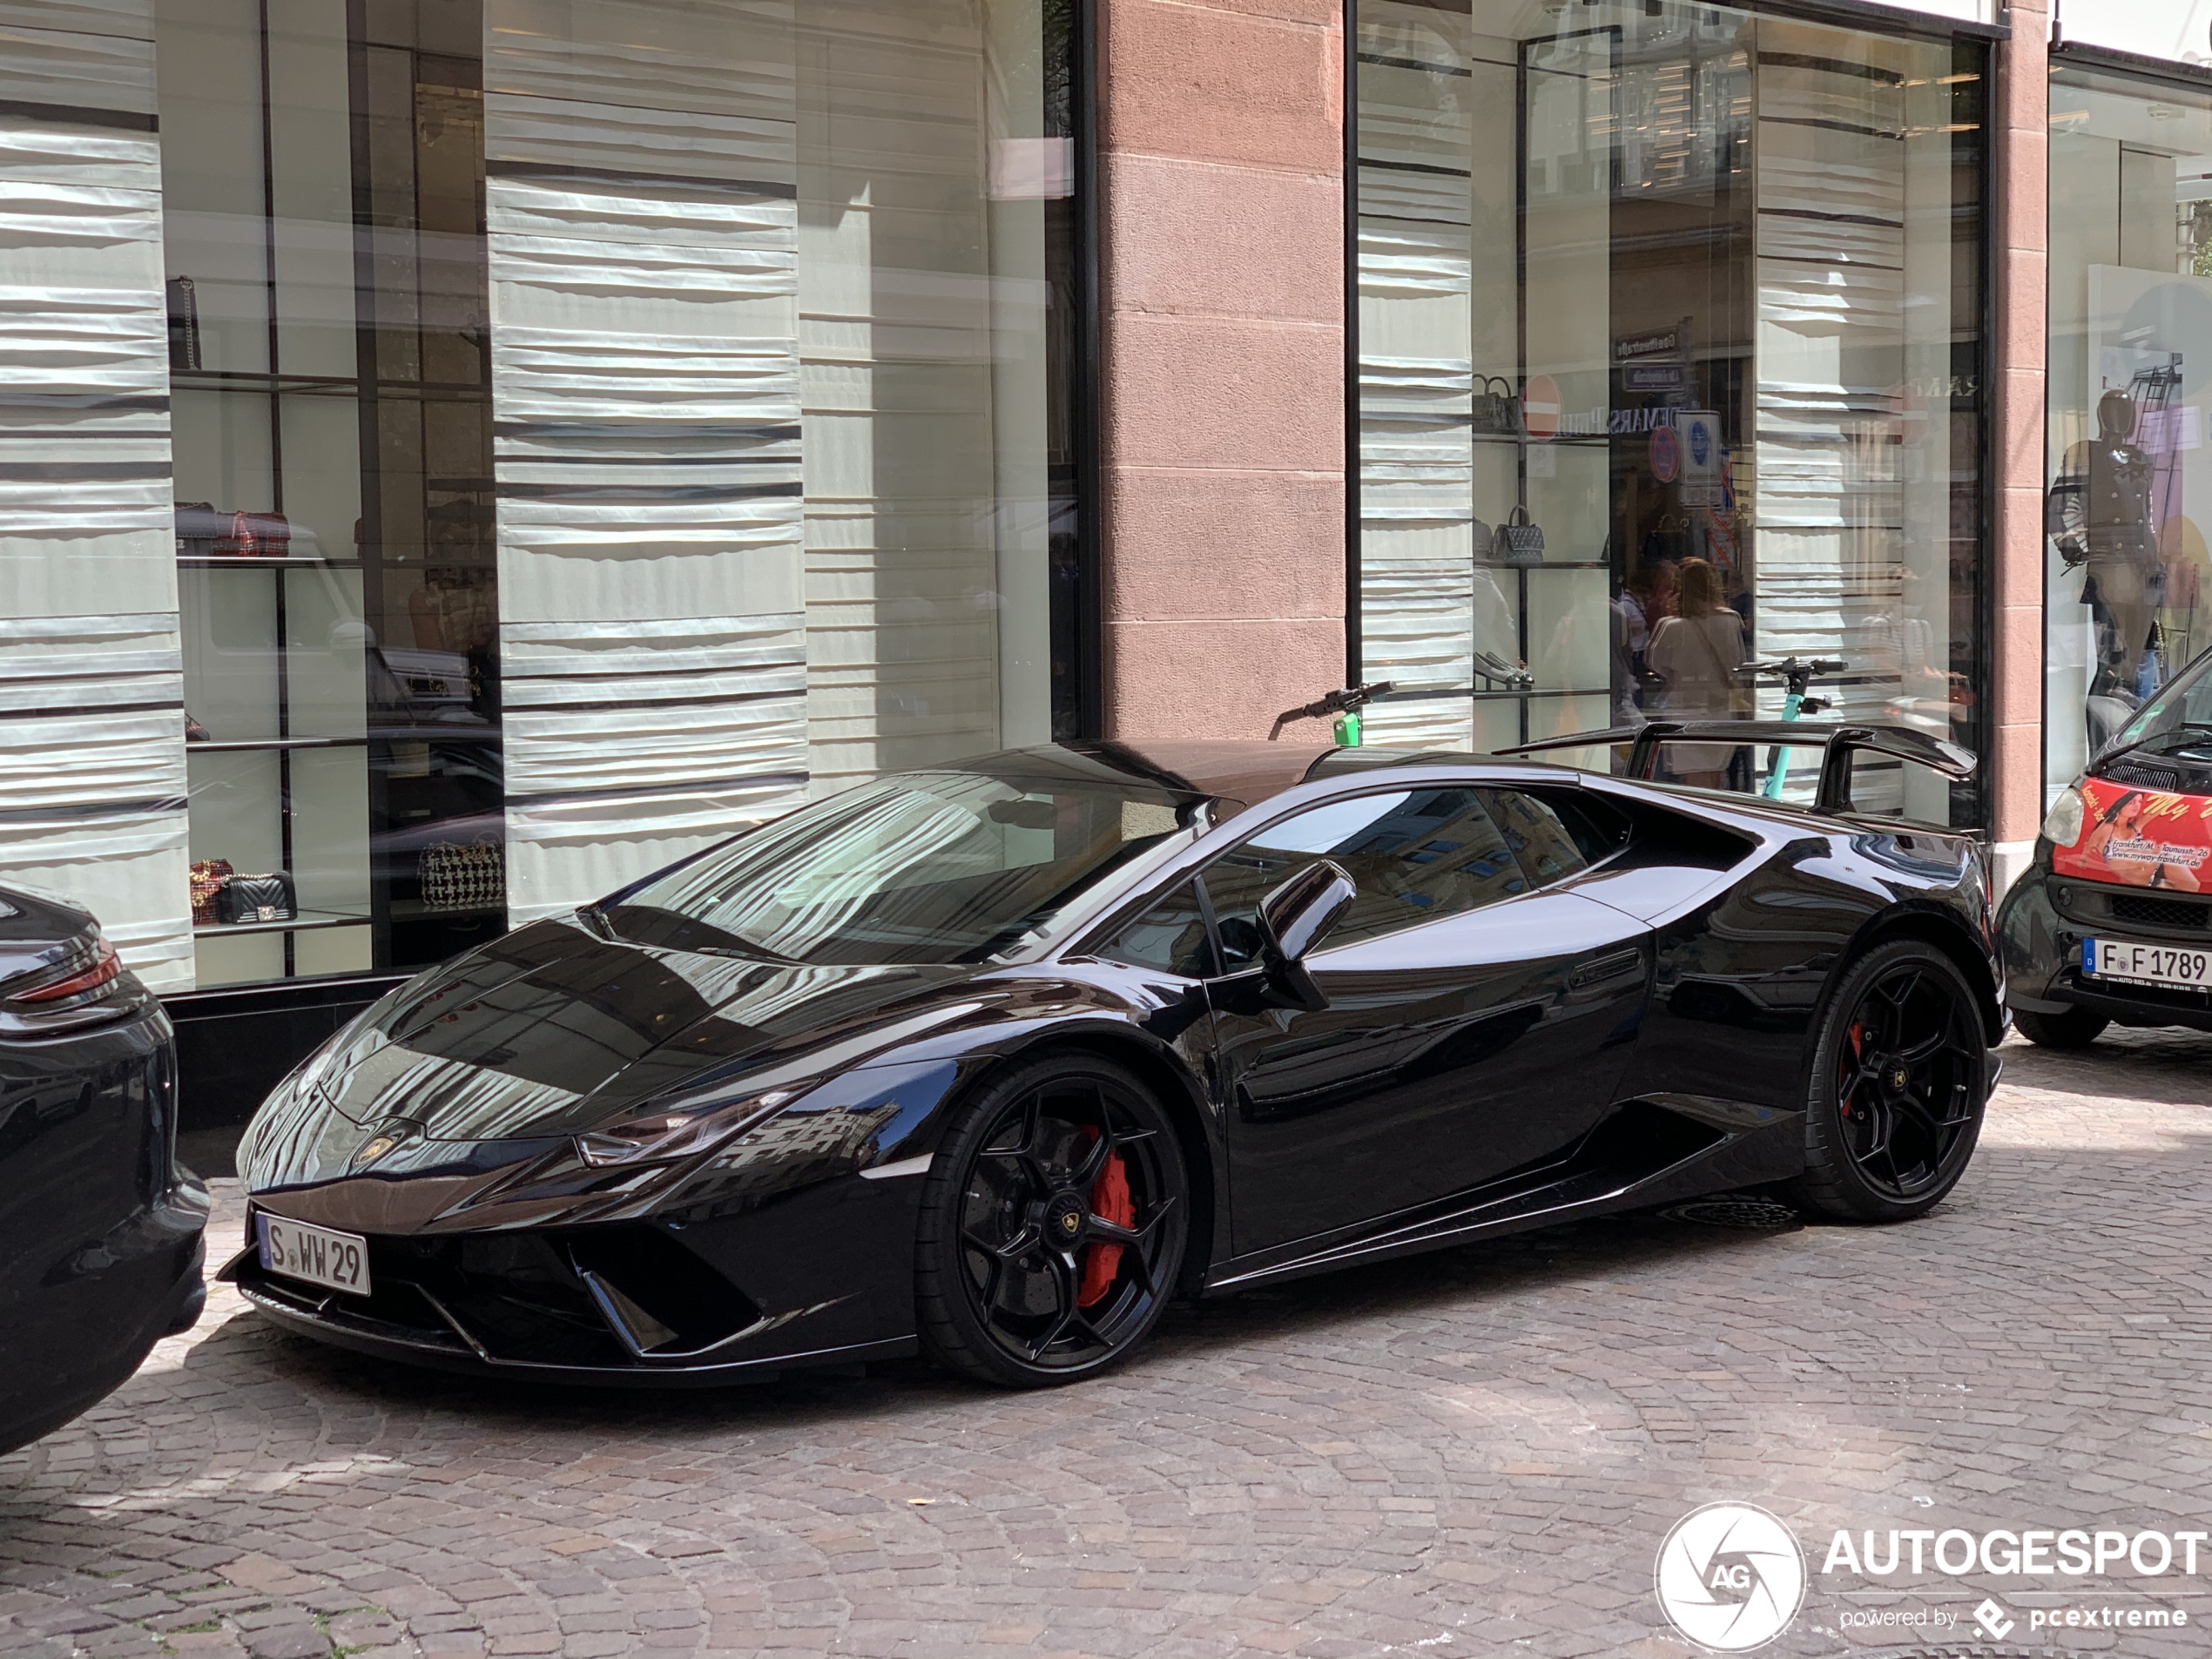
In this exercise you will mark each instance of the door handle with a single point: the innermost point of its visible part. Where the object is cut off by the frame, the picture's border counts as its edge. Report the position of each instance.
(1606, 968)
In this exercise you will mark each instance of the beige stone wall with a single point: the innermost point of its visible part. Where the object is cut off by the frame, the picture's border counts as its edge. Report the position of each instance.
(1221, 146)
(2019, 119)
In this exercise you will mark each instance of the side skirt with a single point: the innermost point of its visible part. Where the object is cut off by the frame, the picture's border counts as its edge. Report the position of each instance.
(1748, 1145)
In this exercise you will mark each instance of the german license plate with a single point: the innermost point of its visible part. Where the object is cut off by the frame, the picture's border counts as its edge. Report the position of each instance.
(2177, 967)
(337, 1261)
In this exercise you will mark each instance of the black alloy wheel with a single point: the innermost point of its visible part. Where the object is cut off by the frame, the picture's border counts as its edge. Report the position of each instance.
(1053, 1224)
(1899, 1078)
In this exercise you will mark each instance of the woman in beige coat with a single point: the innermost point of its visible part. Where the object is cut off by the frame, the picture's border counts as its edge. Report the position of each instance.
(1696, 651)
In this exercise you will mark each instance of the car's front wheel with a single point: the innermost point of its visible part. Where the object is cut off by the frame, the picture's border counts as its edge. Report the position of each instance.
(2074, 1028)
(1053, 1224)
(1899, 1076)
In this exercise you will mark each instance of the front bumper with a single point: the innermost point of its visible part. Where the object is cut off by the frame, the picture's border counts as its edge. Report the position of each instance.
(2043, 945)
(821, 1277)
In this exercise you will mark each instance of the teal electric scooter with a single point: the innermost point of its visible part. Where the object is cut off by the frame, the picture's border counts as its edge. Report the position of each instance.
(1797, 675)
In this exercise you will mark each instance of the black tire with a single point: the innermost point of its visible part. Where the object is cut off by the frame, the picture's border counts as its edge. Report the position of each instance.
(1899, 1077)
(2075, 1028)
(1025, 1159)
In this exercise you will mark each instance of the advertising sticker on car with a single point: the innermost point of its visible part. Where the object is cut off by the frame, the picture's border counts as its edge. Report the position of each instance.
(337, 1261)
(2121, 958)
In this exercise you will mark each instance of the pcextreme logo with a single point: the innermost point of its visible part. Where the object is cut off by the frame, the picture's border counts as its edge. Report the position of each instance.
(1730, 1577)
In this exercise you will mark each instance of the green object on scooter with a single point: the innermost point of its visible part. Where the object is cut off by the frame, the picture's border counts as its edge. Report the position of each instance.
(1347, 731)
(1777, 760)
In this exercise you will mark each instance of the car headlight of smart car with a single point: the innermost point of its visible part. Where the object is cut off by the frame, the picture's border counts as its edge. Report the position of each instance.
(667, 1133)
(2062, 824)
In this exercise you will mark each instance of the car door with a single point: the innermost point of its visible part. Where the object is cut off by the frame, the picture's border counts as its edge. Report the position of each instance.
(1478, 1013)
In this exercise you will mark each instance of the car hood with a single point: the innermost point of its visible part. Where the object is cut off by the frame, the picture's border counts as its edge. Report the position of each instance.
(555, 1028)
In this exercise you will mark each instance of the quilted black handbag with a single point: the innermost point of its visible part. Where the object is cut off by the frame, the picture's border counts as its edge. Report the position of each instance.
(1523, 542)
(257, 898)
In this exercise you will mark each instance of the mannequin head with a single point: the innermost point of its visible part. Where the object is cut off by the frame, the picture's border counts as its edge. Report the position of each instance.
(2116, 417)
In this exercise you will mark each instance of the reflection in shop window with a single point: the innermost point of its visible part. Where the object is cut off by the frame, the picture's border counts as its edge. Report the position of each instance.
(1686, 290)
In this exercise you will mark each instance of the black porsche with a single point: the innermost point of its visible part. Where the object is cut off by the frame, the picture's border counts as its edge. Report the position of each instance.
(100, 1230)
(993, 1059)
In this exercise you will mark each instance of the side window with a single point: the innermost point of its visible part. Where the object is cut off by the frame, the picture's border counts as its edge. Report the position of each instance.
(1539, 837)
(1172, 936)
(1417, 855)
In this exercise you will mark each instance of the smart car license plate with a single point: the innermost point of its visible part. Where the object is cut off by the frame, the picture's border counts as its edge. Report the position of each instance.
(2120, 959)
(337, 1261)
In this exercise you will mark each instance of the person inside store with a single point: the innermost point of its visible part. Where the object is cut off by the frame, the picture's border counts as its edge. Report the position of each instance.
(1646, 601)
(1695, 653)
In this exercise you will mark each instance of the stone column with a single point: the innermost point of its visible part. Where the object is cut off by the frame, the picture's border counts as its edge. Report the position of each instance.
(1221, 168)
(2019, 135)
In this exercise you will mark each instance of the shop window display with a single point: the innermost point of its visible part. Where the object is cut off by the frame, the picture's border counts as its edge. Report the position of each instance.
(2130, 485)
(535, 438)
(1665, 311)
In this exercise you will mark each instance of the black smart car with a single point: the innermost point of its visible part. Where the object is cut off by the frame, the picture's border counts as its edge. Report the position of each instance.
(993, 1059)
(100, 1230)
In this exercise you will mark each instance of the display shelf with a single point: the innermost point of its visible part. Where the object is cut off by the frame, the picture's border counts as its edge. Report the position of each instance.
(306, 921)
(242, 745)
(246, 560)
(1544, 564)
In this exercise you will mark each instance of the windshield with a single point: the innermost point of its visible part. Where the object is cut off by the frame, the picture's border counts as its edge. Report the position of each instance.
(924, 867)
(2177, 719)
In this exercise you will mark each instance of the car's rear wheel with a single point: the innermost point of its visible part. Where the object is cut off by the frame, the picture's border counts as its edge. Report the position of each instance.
(1053, 1224)
(2075, 1028)
(1899, 1078)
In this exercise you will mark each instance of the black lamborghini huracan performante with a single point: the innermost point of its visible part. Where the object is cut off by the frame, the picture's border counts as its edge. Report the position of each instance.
(996, 1059)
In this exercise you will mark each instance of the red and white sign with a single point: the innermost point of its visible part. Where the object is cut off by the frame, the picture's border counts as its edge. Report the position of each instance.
(1666, 453)
(1540, 407)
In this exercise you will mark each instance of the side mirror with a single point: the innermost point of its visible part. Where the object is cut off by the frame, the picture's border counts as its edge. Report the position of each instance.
(1294, 917)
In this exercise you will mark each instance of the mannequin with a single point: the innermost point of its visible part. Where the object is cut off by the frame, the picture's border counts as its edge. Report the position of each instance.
(2102, 519)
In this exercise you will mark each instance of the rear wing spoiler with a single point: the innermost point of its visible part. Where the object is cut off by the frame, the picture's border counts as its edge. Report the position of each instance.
(1837, 741)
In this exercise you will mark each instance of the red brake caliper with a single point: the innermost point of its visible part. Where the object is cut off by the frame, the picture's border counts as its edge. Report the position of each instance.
(1109, 1199)
(1858, 1053)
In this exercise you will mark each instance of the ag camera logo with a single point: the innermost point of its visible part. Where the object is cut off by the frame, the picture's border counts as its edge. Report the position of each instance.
(1730, 1577)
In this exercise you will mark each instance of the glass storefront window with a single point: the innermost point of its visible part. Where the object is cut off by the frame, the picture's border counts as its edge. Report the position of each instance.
(530, 440)
(2130, 506)
(1670, 357)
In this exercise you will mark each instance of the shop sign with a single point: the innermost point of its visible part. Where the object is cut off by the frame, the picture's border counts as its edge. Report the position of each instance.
(1652, 342)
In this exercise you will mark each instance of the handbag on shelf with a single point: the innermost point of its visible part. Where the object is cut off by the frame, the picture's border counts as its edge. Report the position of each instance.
(199, 527)
(464, 876)
(1497, 413)
(243, 899)
(207, 878)
(256, 535)
(1522, 541)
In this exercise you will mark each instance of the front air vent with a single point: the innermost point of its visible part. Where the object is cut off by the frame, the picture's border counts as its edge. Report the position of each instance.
(2155, 912)
(2143, 775)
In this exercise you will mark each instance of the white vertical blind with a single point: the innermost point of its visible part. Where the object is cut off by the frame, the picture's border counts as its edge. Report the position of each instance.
(91, 732)
(641, 200)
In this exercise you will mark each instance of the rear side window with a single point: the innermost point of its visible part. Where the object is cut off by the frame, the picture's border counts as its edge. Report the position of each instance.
(1417, 856)
(1542, 844)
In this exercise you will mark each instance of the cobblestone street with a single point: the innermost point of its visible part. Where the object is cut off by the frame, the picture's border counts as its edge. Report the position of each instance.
(1454, 1454)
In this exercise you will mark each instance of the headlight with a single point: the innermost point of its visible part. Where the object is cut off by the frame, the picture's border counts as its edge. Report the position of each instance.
(670, 1132)
(2062, 825)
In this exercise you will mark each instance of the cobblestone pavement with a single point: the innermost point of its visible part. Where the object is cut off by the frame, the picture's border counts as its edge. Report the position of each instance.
(1454, 1455)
